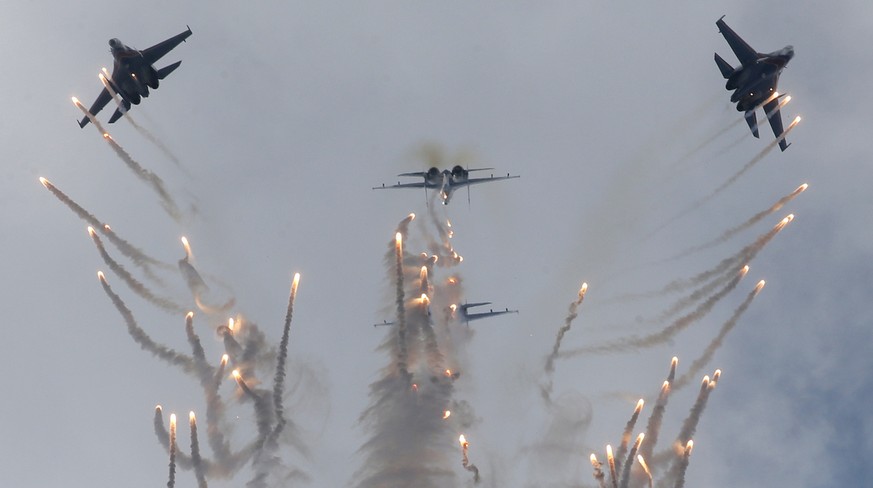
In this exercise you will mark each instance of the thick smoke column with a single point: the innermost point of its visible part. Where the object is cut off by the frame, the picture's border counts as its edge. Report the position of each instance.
(262, 408)
(628, 429)
(598, 471)
(196, 460)
(613, 473)
(153, 180)
(406, 419)
(133, 283)
(172, 481)
(626, 469)
(196, 283)
(465, 461)
(279, 378)
(653, 427)
(571, 316)
(646, 470)
(678, 471)
(214, 413)
(139, 335)
(402, 352)
(689, 426)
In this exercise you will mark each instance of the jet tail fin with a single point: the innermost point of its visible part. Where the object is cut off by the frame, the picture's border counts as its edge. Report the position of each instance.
(166, 70)
(752, 120)
(725, 68)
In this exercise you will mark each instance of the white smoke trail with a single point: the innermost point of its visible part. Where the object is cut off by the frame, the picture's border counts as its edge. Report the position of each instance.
(665, 334)
(139, 257)
(140, 336)
(196, 460)
(138, 287)
(156, 183)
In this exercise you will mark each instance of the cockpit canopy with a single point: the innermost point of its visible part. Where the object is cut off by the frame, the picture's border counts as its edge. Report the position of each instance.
(786, 52)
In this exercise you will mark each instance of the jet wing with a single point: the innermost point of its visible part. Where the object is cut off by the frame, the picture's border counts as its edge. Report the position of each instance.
(158, 51)
(481, 315)
(476, 181)
(771, 108)
(102, 99)
(421, 184)
(752, 120)
(742, 50)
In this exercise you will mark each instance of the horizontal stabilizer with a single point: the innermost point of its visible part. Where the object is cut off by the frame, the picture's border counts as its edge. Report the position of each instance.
(84, 122)
(725, 68)
(166, 70)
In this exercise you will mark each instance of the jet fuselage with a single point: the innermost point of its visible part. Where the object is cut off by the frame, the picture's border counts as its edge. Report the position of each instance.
(132, 76)
(755, 83)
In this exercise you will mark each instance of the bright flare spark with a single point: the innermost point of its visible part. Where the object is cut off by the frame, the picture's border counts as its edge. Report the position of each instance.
(101, 276)
(744, 271)
(230, 324)
(44, 182)
(689, 447)
(645, 468)
(463, 441)
(189, 315)
(191, 417)
(639, 440)
(172, 421)
(295, 283)
(583, 290)
(236, 374)
(91, 231)
(224, 359)
(802, 188)
(639, 408)
(760, 286)
(447, 414)
(187, 247)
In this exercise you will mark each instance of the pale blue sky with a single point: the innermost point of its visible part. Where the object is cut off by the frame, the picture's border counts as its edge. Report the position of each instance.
(284, 115)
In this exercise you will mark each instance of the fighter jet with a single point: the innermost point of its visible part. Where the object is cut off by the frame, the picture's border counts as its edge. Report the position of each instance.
(133, 74)
(446, 181)
(754, 81)
(460, 313)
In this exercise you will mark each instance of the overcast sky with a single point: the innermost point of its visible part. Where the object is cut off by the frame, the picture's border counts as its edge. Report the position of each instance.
(282, 117)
